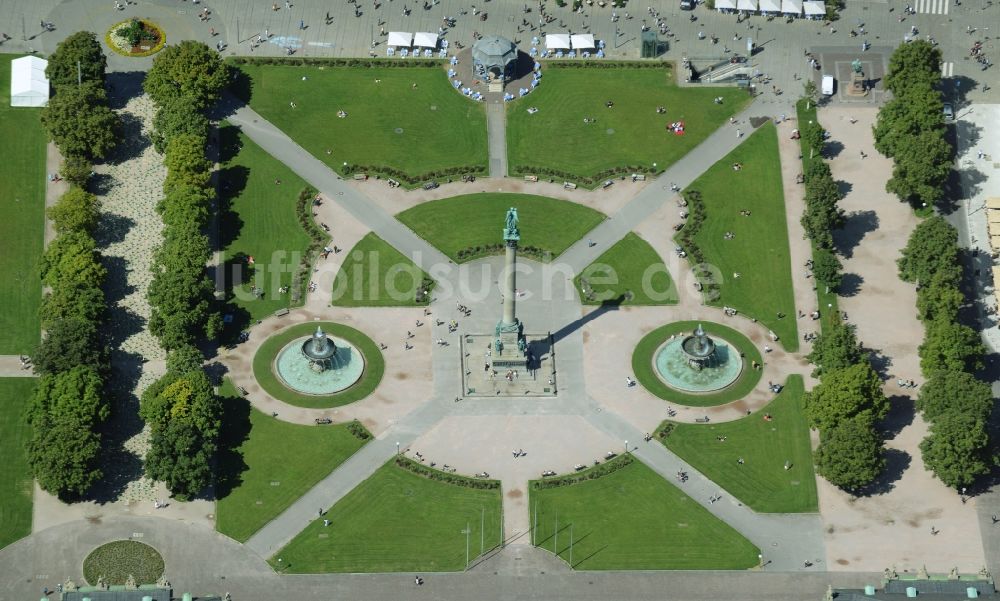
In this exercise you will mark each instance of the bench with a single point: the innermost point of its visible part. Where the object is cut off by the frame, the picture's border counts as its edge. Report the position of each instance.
(569, 185)
(281, 312)
(243, 391)
(531, 178)
(701, 420)
(361, 176)
(638, 177)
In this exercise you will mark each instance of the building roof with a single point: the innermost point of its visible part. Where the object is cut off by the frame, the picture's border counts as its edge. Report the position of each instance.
(118, 593)
(493, 50)
(28, 84)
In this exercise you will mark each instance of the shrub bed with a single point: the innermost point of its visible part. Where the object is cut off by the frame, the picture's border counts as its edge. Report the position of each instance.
(358, 430)
(597, 471)
(116, 561)
(433, 474)
(135, 38)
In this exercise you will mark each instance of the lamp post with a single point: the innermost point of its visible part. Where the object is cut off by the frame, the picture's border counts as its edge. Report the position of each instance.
(626, 447)
(397, 447)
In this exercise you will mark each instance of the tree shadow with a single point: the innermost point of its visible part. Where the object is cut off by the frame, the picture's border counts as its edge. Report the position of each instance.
(844, 188)
(101, 184)
(235, 431)
(902, 411)
(123, 86)
(856, 226)
(833, 148)
(116, 287)
(241, 85)
(896, 464)
(112, 229)
(880, 362)
(850, 285)
(232, 182)
(132, 142)
(229, 143)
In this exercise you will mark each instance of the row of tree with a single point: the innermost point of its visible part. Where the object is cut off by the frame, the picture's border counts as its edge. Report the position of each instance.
(181, 408)
(69, 405)
(910, 127)
(952, 399)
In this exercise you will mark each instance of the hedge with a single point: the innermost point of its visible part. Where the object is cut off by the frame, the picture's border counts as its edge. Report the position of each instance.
(447, 477)
(299, 61)
(610, 466)
(358, 430)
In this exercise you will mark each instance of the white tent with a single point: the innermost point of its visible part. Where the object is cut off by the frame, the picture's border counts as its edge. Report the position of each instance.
(750, 5)
(583, 41)
(791, 7)
(400, 39)
(557, 41)
(28, 84)
(725, 5)
(425, 40)
(814, 8)
(770, 6)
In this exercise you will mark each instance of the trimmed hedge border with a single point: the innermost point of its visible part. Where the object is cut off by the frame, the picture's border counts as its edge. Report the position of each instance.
(298, 61)
(358, 430)
(610, 466)
(117, 560)
(447, 477)
(268, 380)
(159, 45)
(642, 365)
(318, 238)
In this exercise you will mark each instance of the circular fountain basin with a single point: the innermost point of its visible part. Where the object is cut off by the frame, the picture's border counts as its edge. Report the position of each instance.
(295, 372)
(672, 366)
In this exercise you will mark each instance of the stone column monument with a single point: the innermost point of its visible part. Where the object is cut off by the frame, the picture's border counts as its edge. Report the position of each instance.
(509, 343)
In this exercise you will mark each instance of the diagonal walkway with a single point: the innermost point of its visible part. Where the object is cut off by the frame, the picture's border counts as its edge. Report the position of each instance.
(496, 133)
(321, 177)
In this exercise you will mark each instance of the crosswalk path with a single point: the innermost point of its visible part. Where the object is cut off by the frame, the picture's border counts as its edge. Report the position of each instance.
(947, 69)
(933, 7)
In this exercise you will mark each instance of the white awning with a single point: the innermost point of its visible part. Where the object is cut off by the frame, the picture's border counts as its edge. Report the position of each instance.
(582, 41)
(791, 7)
(424, 39)
(725, 5)
(557, 41)
(749, 5)
(814, 8)
(993, 202)
(770, 6)
(400, 38)
(28, 84)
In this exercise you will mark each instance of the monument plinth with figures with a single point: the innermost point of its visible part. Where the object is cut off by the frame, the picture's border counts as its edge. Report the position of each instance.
(508, 362)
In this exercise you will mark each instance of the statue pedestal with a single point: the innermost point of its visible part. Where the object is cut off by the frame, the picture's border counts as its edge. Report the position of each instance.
(857, 87)
(495, 86)
(507, 373)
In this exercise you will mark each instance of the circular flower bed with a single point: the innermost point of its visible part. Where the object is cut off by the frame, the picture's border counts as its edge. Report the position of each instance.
(136, 37)
(644, 356)
(116, 561)
(263, 366)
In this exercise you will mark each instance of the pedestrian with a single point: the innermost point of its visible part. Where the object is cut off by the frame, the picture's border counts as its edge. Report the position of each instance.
(288, 4)
(302, 24)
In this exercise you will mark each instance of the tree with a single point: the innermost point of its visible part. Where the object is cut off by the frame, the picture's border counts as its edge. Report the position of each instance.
(64, 413)
(947, 392)
(854, 391)
(183, 397)
(814, 136)
(186, 163)
(941, 298)
(957, 449)
(72, 260)
(850, 455)
(180, 457)
(185, 205)
(826, 269)
(67, 344)
(950, 346)
(822, 215)
(190, 70)
(76, 210)
(809, 92)
(915, 64)
(79, 55)
(79, 121)
(184, 359)
(181, 293)
(932, 246)
(906, 116)
(921, 168)
(815, 170)
(177, 116)
(837, 348)
(76, 170)
(79, 300)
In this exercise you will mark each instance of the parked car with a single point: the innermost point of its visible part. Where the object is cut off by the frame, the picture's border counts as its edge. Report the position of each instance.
(948, 111)
(687, 4)
(826, 87)
(430, 185)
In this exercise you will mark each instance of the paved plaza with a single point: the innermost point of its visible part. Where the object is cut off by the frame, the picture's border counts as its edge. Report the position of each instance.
(586, 410)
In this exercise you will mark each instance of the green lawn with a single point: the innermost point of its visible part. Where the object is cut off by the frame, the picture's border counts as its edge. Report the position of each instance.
(397, 521)
(389, 124)
(557, 138)
(462, 223)
(258, 220)
(267, 464)
(632, 519)
(377, 275)
(761, 482)
(630, 270)
(644, 370)
(22, 203)
(369, 381)
(759, 250)
(15, 479)
(826, 301)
